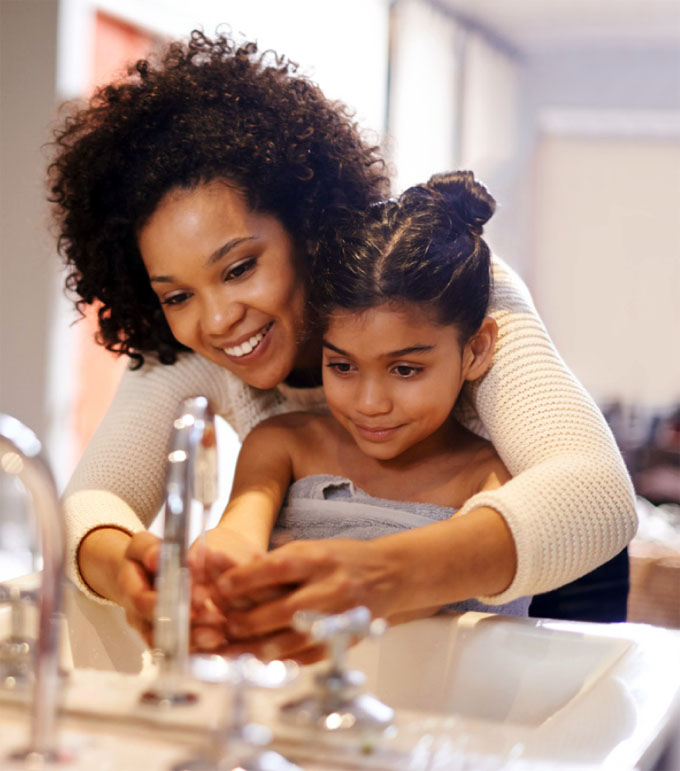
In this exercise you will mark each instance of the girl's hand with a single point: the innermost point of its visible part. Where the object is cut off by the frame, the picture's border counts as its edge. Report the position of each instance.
(327, 576)
(217, 550)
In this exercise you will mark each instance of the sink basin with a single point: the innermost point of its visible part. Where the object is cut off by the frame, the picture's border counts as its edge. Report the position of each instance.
(488, 668)
(600, 695)
(472, 691)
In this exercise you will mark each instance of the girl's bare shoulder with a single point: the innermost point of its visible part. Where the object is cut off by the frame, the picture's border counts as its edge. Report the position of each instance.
(489, 470)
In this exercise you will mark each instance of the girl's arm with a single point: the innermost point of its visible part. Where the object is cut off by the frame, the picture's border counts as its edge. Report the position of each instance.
(401, 577)
(570, 505)
(262, 477)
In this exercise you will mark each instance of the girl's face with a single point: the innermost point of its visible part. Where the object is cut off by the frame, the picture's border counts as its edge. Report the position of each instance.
(228, 282)
(391, 376)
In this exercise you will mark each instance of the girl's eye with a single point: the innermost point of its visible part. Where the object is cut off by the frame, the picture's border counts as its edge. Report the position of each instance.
(407, 370)
(340, 367)
(175, 299)
(240, 269)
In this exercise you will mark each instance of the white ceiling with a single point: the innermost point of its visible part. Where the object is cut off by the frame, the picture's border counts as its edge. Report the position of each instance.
(536, 24)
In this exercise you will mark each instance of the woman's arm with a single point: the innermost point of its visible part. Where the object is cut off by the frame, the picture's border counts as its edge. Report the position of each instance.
(570, 505)
(401, 577)
(395, 576)
(117, 488)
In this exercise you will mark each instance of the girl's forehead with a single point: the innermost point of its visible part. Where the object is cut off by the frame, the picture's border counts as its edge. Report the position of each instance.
(398, 314)
(387, 331)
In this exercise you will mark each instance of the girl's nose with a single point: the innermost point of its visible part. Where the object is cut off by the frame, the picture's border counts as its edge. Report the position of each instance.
(373, 398)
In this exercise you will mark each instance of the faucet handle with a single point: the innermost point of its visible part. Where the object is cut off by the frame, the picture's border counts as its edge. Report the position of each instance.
(18, 598)
(356, 622)
(338, 702)
(337, 631)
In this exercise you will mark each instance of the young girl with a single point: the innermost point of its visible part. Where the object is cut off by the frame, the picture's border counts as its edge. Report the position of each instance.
(403, 304)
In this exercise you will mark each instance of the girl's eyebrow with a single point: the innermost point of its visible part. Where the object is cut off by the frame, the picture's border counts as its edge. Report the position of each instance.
(216, 256)
(388, 354)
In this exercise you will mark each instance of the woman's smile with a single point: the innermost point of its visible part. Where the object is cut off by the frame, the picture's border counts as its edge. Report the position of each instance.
(229, 281)
(250, 344)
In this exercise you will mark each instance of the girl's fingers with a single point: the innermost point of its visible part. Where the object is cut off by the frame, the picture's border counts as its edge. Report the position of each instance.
(287, 644)
(207, 638)
(216, 562)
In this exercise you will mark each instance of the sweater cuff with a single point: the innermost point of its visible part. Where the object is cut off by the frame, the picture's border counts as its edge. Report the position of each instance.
(78, 509)
(523, 582)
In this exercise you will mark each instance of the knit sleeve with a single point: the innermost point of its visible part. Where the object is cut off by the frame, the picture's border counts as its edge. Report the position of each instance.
(119, 481)
(570, 505)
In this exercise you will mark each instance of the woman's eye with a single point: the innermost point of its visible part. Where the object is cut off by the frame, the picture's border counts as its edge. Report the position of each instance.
(405, 370)
(175, 299)
(236, 271)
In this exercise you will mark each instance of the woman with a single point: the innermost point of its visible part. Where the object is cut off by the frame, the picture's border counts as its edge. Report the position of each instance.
(191, 200)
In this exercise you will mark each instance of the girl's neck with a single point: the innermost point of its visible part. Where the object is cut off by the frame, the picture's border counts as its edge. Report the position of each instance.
(436, 470)
(449, 439)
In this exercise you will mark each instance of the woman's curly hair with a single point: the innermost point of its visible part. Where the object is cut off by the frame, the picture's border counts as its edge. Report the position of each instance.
(207, 109)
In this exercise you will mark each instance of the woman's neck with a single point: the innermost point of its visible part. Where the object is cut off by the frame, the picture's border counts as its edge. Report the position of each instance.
(306, 372)
(304, 378)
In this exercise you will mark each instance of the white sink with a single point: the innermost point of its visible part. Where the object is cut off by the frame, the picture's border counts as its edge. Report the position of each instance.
(473, 691)
(488, 668)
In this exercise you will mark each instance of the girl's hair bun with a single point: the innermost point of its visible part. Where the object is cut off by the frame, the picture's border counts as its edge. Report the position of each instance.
(466, 199)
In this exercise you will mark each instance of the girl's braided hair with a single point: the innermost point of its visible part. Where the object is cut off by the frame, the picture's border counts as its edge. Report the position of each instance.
(424, 247)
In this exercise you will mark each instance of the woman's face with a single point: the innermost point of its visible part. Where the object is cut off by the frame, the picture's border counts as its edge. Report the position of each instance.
(228, 281)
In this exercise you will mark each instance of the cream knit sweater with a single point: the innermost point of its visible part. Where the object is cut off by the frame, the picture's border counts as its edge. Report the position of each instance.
(570, 505)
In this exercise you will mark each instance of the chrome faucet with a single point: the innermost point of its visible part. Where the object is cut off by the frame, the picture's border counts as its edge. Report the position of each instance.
(21, 454)
(337, 704)
(191, 475)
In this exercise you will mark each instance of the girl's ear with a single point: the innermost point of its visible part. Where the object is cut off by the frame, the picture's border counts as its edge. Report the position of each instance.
(479, 349)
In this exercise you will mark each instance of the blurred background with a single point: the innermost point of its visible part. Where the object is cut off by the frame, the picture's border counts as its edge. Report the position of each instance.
(569, 111)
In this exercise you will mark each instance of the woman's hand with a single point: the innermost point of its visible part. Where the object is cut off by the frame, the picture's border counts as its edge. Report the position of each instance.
(327, 576)
(135, 581)
(121, 568)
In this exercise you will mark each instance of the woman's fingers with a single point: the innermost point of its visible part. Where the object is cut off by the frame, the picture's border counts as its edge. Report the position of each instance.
(286, 565)
(278, 614)
(144, 548)
(330, 577)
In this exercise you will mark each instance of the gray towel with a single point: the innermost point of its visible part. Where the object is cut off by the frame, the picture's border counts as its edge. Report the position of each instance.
(325, 506)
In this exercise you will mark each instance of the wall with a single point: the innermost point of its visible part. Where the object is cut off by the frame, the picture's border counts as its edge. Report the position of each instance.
(603, 189)
(28, 271)
(606, 277)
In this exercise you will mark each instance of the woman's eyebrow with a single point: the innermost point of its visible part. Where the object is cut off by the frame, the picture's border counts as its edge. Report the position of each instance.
(216, 256)
(386, 355)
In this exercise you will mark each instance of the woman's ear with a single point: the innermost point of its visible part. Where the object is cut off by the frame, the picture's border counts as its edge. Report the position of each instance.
(479, 349)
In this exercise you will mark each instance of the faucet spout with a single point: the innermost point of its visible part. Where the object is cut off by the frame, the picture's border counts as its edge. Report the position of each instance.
(21, 454)
(191, 475)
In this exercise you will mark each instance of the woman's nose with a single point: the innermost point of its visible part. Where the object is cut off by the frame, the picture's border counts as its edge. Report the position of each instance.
(218, 315)
(373, 398)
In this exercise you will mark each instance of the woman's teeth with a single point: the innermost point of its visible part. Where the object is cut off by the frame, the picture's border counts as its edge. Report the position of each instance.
(249, 345)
